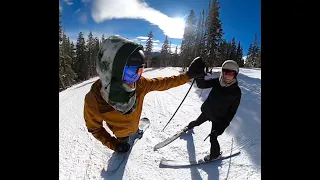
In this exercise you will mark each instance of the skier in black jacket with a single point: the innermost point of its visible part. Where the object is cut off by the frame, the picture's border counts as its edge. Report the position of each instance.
(221, 104)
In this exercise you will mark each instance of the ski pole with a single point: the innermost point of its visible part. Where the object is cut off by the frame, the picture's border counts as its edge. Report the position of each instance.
(206, 137)
(209, 135)
(179, 105)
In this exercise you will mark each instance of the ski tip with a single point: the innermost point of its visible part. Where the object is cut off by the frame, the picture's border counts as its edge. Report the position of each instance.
(234, 151)
(158, 146)
(155, 148)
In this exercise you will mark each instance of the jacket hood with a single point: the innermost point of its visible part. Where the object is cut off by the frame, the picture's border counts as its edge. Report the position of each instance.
(112, 58)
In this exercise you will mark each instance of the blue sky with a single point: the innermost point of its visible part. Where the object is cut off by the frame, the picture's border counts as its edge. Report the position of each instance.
(128, 18)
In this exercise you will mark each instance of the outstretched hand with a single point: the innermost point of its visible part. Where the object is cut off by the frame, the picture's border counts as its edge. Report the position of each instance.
(196, 68)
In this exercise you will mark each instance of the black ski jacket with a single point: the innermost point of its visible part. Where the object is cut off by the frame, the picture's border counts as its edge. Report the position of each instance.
(222, 103)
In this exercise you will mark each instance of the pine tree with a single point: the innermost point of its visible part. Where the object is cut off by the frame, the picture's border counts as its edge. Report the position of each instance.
(206, 35)
(198, 37)
(70, 74)
(224, 50)
(249, 59)
(61, 83)
(175, 58)
(102, 38)
(81, 62)
(239, 58)
(202, 36)
(60, 27)
(73, 58)
(170, 55)
(95, 51)
(255, 51)
(259, 60)
(214, 34)
(90, 54)
(188, 41)
(233, 49)
(164, 53)
(66, 73)
(149, 47)
(253, 54)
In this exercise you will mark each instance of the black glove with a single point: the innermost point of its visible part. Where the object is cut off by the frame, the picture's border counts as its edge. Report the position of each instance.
(196, 68)
(122, 147)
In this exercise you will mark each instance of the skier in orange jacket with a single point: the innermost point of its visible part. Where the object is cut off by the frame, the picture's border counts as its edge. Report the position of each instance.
(117, 96)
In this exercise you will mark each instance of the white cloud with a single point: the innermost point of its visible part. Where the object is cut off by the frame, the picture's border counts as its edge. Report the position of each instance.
(156, 48)
(135, 9)
(142, 37)
(68, 2)
(173, 48)
(60, 7)
(134, 40)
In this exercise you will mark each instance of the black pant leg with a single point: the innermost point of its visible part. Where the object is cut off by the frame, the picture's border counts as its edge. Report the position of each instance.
(215, 146)
(124, 139)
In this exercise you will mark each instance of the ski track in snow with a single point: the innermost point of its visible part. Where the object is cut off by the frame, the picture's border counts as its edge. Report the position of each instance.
(83, 157)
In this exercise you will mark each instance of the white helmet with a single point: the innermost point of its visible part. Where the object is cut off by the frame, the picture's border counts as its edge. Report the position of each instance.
(231, 65)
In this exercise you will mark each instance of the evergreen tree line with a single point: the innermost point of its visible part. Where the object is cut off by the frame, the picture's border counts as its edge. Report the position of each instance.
(77, 63)
(203, 37)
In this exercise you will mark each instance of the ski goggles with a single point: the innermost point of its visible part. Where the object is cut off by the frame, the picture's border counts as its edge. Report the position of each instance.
(132, 73)
(229, 72)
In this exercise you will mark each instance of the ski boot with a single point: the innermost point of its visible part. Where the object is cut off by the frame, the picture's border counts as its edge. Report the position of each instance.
(211, 158)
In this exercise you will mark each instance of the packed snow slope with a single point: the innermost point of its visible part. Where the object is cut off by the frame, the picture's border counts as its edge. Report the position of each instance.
(83, 157)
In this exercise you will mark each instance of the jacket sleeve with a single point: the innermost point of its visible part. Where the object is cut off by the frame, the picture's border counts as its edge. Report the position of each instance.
(163, 83)
(203, 84)
(222, 125)
(94, 123)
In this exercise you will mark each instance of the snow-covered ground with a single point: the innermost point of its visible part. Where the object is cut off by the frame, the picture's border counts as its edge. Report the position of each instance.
(83, 157)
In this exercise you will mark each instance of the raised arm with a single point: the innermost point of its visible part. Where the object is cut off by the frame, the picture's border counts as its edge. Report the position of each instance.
(196, 70)
(203, 84)
(163, 83)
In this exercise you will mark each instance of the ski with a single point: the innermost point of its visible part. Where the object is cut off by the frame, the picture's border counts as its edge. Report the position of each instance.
(182, 163)
(118, 158)
(169, 140)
